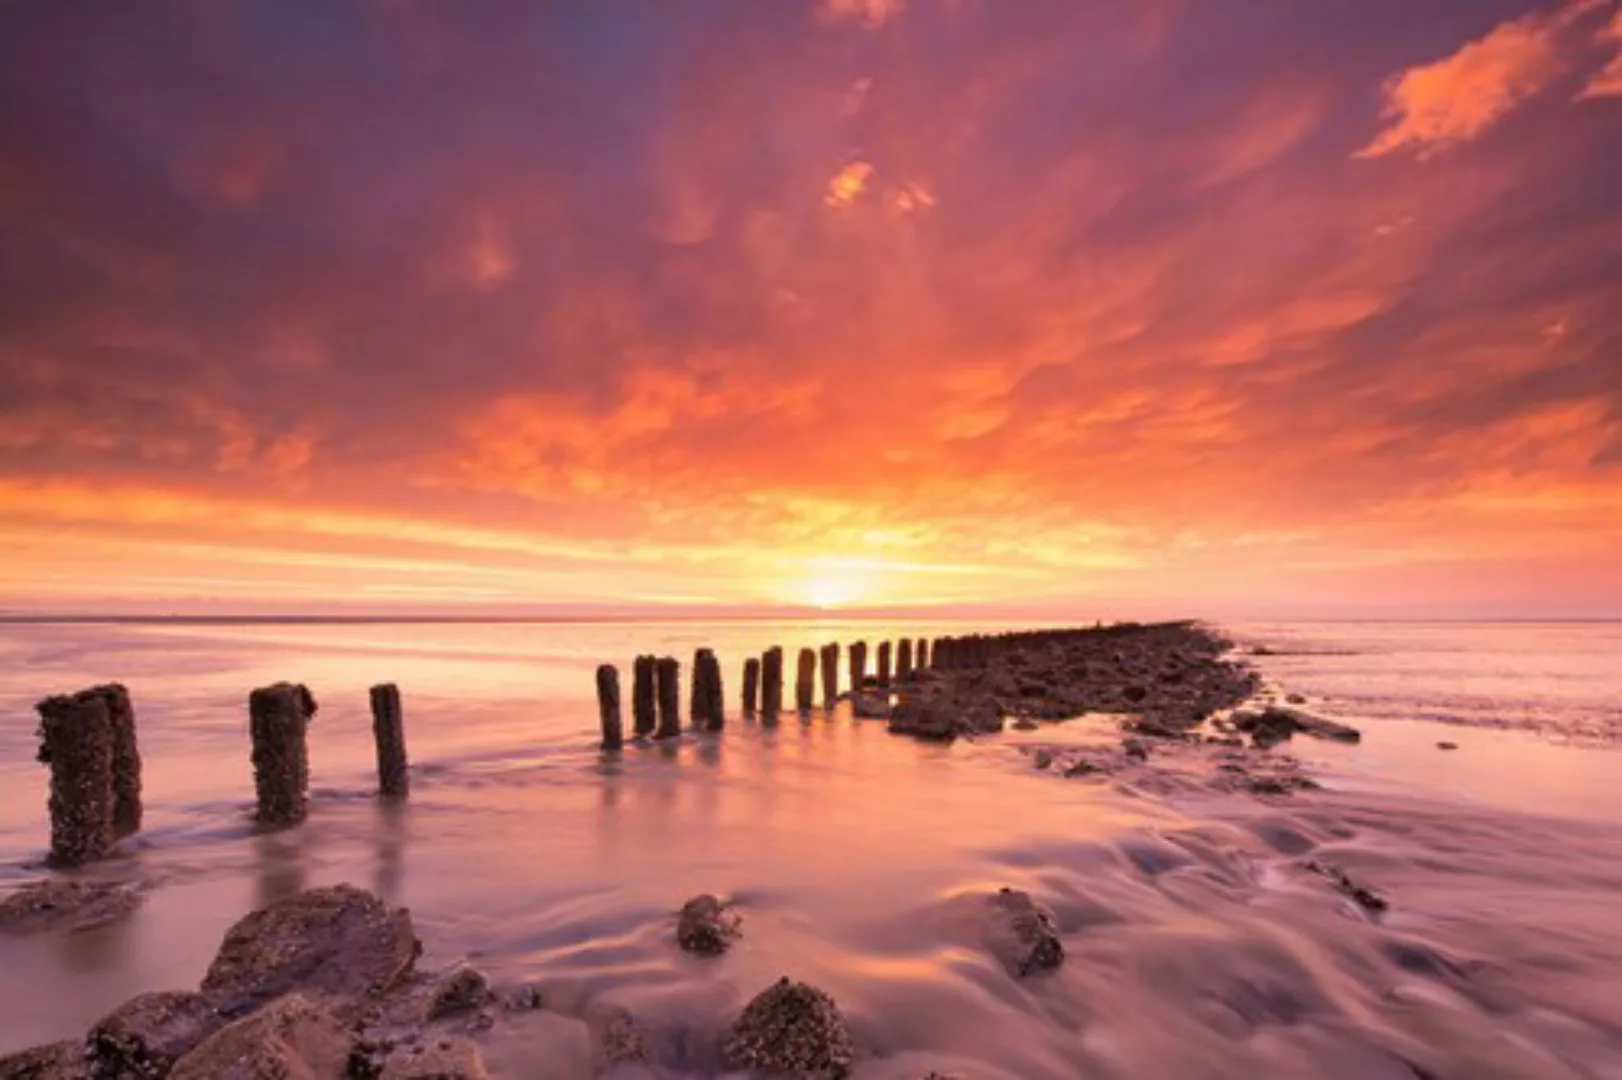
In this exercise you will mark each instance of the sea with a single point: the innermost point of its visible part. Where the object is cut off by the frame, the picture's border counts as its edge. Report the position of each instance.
(1484, 801)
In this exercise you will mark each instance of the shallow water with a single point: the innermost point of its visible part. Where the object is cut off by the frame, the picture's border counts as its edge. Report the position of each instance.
(1198, 947)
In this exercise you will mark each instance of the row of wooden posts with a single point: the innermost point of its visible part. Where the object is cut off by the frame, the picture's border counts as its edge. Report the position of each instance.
(89, 738)
(656, 682)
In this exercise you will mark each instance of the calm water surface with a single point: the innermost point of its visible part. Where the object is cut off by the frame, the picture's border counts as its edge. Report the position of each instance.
(1197, 947)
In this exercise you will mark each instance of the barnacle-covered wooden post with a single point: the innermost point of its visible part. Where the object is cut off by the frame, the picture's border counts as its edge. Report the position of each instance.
(609, 714)
(278, 720)
(76, 741)
(388, 731)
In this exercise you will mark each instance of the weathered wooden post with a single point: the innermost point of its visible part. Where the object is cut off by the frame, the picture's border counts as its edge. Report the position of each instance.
(643, 677)
(126, 758)
(830, 674)
(903, 659)
(805, 680)
(608, 706)
(922, 659)
(884, 663)
(708, 708)
(858, 665)
(771, 681)
(751, 684)
(76, 741)
(669, 679)
(388, 731)
(278, 718)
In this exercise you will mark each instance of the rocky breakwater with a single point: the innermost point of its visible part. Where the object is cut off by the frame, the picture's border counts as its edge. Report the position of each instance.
(1169, 677)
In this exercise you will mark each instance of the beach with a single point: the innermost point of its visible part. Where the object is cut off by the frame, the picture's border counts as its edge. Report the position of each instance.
(1209, 928)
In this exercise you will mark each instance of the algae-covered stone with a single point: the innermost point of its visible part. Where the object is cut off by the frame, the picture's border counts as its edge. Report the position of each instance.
(292, 1038)
(55, 1061)
(791, 1028)
(147, 1035)
(1024, 935)
(340, 941)
(706, 926)
(60, 904)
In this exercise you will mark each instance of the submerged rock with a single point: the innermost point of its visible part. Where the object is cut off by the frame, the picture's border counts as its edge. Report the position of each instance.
(148, 1034)
(1024, 935)
(339, 941)
(292, 1038)
(791, 1028)
(59, 904)
(706, 926)
(1272, 725)
(1361, 895)
(618, 1038)
(462, 991)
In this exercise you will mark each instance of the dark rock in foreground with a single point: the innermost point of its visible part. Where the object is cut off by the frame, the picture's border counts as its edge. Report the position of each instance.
(1024, 935)
(706, 926)
(66, 905)
(339, 941)
(794, 1029)
(54, 1061)
(292, 1038)
(149, 1034)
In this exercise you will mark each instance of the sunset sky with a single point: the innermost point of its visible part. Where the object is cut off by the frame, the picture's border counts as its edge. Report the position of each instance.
(1117, 307)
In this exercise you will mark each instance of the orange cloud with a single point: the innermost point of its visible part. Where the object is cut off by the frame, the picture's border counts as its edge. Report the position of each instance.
(848, 183)
(1608, 81)
(1454, 99)
(871, 13)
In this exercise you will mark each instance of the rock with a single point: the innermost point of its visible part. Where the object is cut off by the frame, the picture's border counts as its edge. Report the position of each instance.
(1155, 727)
(1024, 935)
(291, 1038)
(870, 706)
(462, 991)
(1295, 699)
(791, 1028)
(1279, 784)
(340, 941)
(1025, 723)
(438, 1059)
(1136, 749)
(1364, 897)
(707, 926)
(1447, 746)
(1272, 725)
(55, 1061)
(944, 718)
(148, 1034)
(60, 904)
(1043, 758)
(526, 998)
(619, 1039)
(1135, 694)
(1084, 767)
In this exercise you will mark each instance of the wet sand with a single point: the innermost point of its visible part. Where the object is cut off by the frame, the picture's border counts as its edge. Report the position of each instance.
(1198, 940)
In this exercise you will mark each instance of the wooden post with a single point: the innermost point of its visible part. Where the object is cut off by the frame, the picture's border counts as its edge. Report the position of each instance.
(643, 678)
(751, 684)
(608, 706)
(884, 663)
(126, 758)
(76, 741)
(922, 660)
(278, 717)
(830, 674)
(903, 659)
(858, 665)
(805, 680)
(388, 731)
(708, 709)
(669, 679)
(771, 681)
